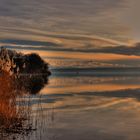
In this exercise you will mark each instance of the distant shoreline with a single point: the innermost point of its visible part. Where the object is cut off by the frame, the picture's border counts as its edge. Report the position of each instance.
(97, 71)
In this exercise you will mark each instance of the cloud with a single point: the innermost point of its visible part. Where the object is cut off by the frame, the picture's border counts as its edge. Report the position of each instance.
(122, 49)
(125, 50)
(91, 47)
(28, 42)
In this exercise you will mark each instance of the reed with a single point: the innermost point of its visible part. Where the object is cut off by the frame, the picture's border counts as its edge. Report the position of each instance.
(13, 118)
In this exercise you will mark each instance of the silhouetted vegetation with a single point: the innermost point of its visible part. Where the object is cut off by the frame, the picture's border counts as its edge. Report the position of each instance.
(15, 119)
(18, 63)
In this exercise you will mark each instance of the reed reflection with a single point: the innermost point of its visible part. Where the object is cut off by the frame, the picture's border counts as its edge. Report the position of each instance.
(15, 119)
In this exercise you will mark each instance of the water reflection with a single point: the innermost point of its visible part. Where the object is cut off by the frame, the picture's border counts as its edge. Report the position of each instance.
(31, 84)
(80, 93)
(84, 106)
(69, 106)
(16, 119)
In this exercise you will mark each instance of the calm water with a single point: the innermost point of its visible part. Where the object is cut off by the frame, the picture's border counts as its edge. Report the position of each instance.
(87, 107)
(93, 50)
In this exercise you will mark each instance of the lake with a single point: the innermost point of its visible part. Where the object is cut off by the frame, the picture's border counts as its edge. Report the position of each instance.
(93, 52)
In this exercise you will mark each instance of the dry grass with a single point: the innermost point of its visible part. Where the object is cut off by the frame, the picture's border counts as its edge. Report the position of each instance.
(12, 118)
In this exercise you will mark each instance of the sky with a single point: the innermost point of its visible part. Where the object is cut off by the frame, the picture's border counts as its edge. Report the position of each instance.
(106, 32)
(91, 17)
